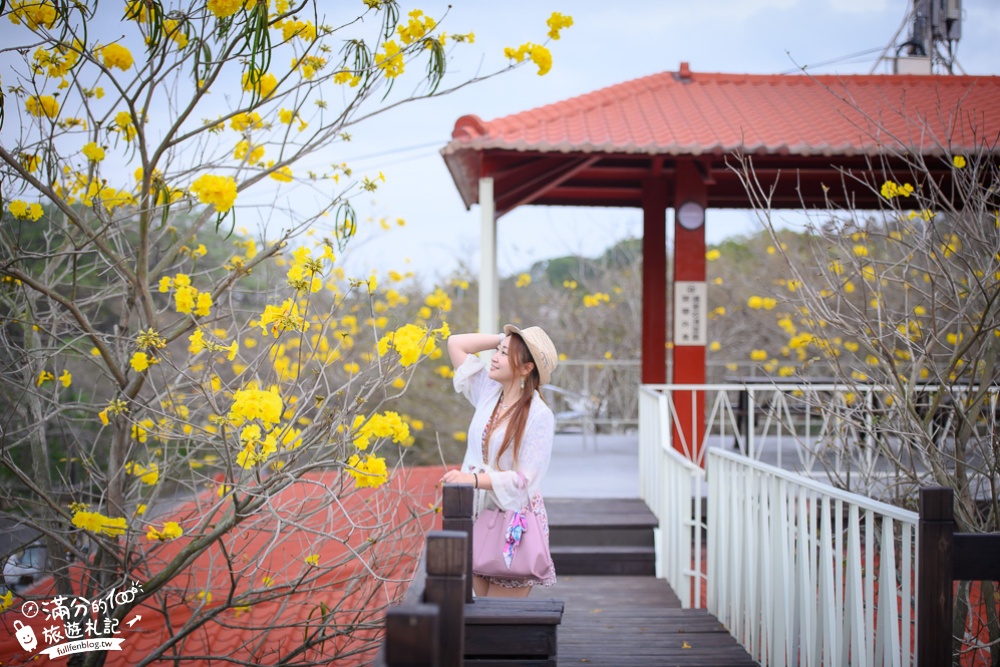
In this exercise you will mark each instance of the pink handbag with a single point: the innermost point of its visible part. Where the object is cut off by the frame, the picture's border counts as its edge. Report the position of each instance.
(510, 544)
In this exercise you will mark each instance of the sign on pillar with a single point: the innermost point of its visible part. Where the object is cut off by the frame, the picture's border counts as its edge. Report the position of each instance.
(690, 313)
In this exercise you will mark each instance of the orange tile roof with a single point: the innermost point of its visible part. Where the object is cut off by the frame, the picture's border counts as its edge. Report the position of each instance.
(671, 114)
(597, 148)
(360, 566)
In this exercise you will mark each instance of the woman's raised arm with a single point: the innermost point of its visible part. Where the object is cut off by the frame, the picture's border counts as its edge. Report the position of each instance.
(461, 346)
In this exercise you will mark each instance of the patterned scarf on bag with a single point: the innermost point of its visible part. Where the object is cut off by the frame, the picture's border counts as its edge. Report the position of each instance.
(518, 524)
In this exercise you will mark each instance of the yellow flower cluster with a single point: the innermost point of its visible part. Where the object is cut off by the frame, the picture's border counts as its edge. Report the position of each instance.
(224, 8)
(246, 121)
(891, 189)
(116, 55)
(416, 27)
(173, 30)
(97, 523)
(439, 299)
(952, 244)
(758, 303)
(125, 126)
(310, 65)
(219, 191)
(386, 425)
(42, 105)
(304, 30)
(29, 161)
(115, 407)
(538, 54)
(252, 155)
(305, 274)
(391, 60)
(282, 174)
(140, 361)
(171, 531)
(257, 447)
(523, 280)
(370, 472)
(24, 211)
(253, 403)
(345, 76)
(801, 340)
(150, 475)
(198, 343)
(93, 152)
(187, 298)
(33, 13)
(263, 84)
(595, 299)
(558, 22)
(57, 62)
(411, 341)
(140, 431)
(150, 339)
(282, 318)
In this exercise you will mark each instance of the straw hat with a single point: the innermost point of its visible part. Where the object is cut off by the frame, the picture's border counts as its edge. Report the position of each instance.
(543, 352)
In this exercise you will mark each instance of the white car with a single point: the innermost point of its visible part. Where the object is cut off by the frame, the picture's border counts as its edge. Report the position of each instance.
(25, 566)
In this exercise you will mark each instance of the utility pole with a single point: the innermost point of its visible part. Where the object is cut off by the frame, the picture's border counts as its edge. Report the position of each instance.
(935, 28)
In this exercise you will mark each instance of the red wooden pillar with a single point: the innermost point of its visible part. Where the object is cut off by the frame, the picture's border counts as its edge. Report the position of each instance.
(690, 307)
(654, 281)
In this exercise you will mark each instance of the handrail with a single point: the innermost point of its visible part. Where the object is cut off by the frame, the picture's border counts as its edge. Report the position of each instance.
(946, 556)
(800, 572)
(798, 569)
(427, 627)
(672, 486)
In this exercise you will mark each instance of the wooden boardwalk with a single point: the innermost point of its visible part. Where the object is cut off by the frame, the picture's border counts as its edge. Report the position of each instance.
(617, 613)
(637, 621)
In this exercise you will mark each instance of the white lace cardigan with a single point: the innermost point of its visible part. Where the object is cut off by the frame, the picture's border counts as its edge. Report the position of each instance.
(472, 381)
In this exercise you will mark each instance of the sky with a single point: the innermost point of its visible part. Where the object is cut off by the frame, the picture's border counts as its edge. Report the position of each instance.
(609, 43)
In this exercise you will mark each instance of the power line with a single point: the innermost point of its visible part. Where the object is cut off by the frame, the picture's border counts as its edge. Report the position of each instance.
(840, 59)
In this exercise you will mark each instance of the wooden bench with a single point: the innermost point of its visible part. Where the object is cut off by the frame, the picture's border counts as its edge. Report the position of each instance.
(512, 631)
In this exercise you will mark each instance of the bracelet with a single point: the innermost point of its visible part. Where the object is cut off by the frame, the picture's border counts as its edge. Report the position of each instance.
(476, 477)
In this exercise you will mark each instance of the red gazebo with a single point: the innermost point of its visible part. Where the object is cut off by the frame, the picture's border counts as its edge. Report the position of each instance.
(669, 139)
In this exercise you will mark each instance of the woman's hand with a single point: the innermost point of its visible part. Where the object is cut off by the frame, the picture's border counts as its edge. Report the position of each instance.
(458, 477)
(479, 480)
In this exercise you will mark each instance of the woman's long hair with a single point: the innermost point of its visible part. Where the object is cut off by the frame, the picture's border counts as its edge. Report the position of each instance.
(518, 355)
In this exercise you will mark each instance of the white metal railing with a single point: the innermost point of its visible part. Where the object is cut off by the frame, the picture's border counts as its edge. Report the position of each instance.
(844, 434)
(673, 487)
(805, 574)
(801, 571)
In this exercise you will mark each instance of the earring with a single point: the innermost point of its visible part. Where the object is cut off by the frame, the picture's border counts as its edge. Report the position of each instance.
(522, 383)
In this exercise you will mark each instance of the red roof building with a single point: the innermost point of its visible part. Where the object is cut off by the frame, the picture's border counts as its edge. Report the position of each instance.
(675, 139)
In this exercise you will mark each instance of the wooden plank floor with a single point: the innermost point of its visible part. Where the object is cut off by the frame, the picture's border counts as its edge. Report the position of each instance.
(622, 621)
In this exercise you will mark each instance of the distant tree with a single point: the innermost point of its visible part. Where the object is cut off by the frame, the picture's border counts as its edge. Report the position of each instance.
(914, 288)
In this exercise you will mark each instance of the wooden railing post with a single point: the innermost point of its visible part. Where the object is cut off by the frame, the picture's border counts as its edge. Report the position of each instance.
(456, 514)
(411, 636)
(934, 577)
(445, 586)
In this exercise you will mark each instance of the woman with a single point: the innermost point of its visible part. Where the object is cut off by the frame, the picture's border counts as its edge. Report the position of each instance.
(510, 436)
